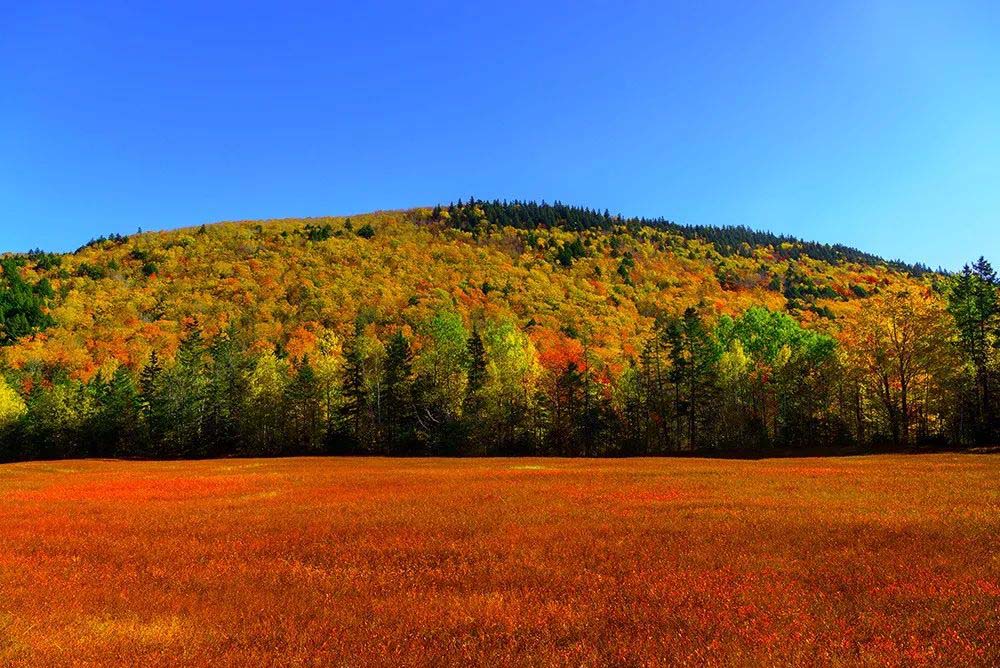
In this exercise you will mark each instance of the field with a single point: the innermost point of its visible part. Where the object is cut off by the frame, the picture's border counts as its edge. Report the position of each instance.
(889, 560)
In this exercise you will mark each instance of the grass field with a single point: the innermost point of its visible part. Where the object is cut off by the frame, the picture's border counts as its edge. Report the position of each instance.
(889, 560)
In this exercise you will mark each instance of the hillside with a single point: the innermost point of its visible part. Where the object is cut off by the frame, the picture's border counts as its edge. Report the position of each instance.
(550, 324)
(116, 300)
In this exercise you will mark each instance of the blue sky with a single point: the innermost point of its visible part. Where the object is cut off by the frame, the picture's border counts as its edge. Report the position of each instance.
(875, 124)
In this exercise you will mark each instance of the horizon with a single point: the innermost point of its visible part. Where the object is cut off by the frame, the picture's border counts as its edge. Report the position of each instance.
(868, 127)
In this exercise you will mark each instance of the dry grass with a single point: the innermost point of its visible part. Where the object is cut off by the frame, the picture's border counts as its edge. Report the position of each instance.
(369, 562)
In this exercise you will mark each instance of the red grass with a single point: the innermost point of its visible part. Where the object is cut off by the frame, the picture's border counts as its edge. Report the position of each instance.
(359, 562)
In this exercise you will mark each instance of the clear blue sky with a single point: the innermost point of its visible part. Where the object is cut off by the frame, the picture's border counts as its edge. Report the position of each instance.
(875, 124)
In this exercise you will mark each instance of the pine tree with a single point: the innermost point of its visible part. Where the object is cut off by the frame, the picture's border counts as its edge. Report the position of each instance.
(226, 392)
(305, 409)
(567, 405)
(475, 426)
(116, 422)
(354, 411)
(693, 357)
(974, 305)
(183, 390)
(398, 403)
(151, 407)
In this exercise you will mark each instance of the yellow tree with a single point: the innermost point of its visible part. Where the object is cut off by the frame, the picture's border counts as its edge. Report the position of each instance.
(901, 345)
(11, 406)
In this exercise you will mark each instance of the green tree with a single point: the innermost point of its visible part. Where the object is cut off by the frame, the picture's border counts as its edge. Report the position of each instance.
(974, 305)
(226, 392)
(115, 429)
(359, 412)
(266, 405)
(22, 305)
(398, 402)
(55, 419)
(694, 356)
(183, 391)
(506, 388)
(304, 406)
(441, 377)
(771, 367)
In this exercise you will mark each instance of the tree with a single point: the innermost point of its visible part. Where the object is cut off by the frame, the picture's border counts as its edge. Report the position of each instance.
(398, 401)
(477, 430)
(183, 393)
(694, 356)
(653, 391)
(151, 408)
(226, 393)
(266, 406)
(441, 377)
(901, 343)
(117, 420)
(12, 410)
(565, 408)
(21, 304)
(304, 406)
(504, 369)
(770, 367)
(629, 403)
(975, 307)
(55, 419)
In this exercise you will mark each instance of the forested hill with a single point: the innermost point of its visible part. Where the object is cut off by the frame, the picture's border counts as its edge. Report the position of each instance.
(485, 328)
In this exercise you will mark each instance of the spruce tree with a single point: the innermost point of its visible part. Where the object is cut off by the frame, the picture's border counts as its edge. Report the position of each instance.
(355, 408)
(305, 409)
(398, 402)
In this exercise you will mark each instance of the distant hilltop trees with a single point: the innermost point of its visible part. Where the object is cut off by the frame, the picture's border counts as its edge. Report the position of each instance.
(728, 240)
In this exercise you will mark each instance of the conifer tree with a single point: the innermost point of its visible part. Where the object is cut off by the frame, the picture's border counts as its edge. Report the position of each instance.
(398, 402)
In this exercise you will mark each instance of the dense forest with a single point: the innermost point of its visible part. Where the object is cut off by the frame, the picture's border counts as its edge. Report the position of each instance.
(488, 328)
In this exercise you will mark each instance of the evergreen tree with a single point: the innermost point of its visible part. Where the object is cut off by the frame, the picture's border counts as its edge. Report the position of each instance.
(693, 357)
(225, 395)
(116, 425)
(566, 409)
(184, 394)
(304, 403)
(474, 407)
(355, 410)
(398, 402)
(151, 404)
(973, 303)
(21, 304)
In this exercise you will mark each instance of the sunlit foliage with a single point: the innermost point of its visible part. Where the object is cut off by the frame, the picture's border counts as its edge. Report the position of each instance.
(488, 327)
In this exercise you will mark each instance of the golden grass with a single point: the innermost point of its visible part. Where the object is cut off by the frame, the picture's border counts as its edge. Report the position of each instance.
(890, 560)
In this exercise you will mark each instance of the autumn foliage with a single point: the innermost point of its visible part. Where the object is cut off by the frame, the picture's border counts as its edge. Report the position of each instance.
(486, 328)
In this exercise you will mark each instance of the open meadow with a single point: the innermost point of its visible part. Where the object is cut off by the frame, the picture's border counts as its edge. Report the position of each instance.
(881, 560)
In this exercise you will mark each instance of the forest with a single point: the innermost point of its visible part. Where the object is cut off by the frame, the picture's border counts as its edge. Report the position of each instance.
(488, 328)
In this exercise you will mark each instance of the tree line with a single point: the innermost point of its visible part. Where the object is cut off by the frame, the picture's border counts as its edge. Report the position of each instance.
(727, 239)
(913, 369)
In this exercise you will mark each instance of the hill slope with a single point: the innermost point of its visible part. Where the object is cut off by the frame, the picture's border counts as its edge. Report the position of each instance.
(116, 300)
(567, 305)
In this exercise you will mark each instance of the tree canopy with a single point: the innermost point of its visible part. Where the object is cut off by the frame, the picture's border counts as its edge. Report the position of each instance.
(486, 328)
